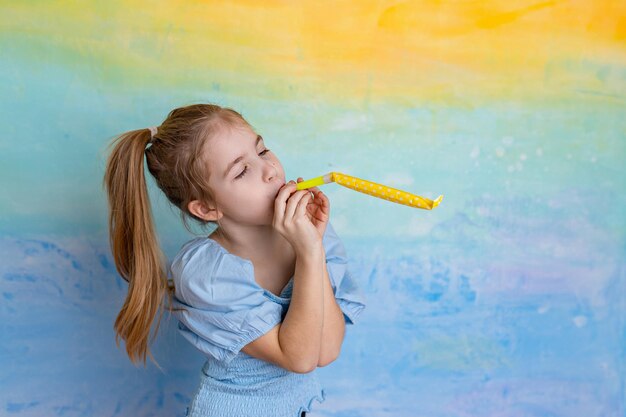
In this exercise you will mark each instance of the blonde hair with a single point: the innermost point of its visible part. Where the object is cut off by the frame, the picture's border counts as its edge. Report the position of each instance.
(174, 158)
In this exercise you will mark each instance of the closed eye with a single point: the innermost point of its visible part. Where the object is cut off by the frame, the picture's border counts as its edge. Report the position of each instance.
(246, 168)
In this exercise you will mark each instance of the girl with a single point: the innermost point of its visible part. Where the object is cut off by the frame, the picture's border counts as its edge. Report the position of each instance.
(265, 297)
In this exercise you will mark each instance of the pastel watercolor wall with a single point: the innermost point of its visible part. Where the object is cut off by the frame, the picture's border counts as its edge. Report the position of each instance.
(509, 299)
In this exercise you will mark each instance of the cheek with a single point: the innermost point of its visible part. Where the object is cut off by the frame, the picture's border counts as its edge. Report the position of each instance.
(275, 160)
(279, 166)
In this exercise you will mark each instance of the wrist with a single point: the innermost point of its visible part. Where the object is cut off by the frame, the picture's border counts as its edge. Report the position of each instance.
(313, 253)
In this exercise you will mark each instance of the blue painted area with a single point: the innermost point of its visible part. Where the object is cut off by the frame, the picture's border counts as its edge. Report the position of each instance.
(436, 336)
(19, 407)
(507, 299)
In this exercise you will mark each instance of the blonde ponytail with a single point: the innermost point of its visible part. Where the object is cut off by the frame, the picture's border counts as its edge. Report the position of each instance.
(134, 244)
(175, 160)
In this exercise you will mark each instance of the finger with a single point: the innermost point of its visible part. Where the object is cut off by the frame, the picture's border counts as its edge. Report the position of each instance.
(325, 200)
(311, 207)
(315, 190)
(323, 208)
(300, 210)
(281, 200)
(321, 199)
(302, 205)
(292, 203)
(318, 195)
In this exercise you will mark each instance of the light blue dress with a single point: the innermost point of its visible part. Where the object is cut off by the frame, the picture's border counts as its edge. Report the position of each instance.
(226, 309)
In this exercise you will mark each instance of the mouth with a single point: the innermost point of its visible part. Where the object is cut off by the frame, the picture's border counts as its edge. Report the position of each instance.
(278, 191)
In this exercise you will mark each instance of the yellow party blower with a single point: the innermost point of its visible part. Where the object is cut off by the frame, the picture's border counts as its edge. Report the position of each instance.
(373, 189)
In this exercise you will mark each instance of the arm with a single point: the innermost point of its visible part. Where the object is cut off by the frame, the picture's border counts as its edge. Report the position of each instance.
(334, 326)
(295, 343)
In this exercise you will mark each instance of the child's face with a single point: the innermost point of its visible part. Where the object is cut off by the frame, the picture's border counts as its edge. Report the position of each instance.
(246, 190)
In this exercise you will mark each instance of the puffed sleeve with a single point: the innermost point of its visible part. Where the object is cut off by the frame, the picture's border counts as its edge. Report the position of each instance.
(347, 294)
(223, 307)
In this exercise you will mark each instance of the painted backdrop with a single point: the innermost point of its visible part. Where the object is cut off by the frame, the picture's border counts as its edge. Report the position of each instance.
(506, 300)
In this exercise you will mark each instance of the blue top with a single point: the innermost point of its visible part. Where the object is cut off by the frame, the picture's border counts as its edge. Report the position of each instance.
(226, 309)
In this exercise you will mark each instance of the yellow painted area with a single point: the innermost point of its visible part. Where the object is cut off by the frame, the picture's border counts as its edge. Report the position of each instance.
(450, 52)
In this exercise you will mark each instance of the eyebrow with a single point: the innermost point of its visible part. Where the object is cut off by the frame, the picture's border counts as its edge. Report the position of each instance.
(230, 166)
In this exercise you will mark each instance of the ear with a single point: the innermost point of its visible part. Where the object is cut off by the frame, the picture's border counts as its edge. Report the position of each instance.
(202, 211)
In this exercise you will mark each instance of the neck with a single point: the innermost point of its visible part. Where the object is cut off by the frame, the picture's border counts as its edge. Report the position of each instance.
(256, 243)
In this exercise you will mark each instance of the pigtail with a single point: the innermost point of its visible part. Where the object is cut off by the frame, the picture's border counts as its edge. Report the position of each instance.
(134, 244)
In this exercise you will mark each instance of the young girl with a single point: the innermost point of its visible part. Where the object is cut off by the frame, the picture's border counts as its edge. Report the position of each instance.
(265, 297)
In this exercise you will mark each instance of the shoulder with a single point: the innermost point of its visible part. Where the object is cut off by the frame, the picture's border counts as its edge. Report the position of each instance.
(199, 251)
(202, 268)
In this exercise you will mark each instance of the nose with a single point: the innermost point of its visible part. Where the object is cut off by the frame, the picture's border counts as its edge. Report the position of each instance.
(270, 171)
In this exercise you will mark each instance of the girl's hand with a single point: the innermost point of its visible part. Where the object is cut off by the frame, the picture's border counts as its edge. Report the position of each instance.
(318, 209)
(292, 220)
